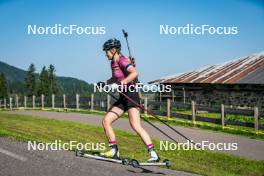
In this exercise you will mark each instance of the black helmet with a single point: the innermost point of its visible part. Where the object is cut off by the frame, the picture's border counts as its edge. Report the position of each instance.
(112, 43)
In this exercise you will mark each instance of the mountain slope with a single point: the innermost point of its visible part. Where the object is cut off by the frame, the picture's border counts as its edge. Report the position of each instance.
(67, 85)
(12, 73)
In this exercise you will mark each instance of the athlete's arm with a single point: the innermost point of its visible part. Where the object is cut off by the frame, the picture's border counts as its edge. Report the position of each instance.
(132, 75)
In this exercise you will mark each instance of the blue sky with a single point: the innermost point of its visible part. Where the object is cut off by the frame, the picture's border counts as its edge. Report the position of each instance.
(156, 55)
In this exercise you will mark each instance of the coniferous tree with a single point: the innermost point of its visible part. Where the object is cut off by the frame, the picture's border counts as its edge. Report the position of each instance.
(3, 86)
(52, 79)
(30, 80)
(44, 83)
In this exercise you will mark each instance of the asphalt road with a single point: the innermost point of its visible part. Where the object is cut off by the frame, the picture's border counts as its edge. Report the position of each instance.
(17, 160)
(248, 148)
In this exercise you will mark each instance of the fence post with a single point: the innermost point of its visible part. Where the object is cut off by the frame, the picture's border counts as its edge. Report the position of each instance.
(10, 103)
(160, 99)
(4, 104)
(0, 104)
(42, 101)
(102, 104)
(168, 107)
(173, 96)
(193, 113)
(223, 115)
(256, 116)
(146, 105)
(53, 101)
(25, 102)
(92, 101)
(17, 101)
(108, 102)
(33, 102)
(64, 101)
(184, 95)
(77, 102)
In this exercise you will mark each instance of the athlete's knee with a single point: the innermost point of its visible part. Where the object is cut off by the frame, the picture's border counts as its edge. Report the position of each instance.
(108, 119)
(106, 122)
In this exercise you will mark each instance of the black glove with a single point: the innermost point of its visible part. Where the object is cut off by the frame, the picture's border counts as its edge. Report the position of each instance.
(101, 84)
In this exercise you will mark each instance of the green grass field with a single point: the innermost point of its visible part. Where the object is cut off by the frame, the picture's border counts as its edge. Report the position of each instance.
(28, 128)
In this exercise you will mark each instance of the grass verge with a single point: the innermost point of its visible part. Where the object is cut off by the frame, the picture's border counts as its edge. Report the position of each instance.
(28, 128)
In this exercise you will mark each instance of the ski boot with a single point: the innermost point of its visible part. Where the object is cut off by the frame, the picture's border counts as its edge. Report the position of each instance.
(112, 153)
(154, 157)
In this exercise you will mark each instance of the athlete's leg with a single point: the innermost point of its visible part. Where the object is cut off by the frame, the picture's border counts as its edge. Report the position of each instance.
(113, 114)
(134, 119)
(110, 117)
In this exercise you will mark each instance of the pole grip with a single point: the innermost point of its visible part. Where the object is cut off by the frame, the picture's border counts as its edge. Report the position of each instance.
(125, 33)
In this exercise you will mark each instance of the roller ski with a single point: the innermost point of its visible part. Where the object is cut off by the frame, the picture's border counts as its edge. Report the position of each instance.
(111, 156)
(154, 160)
(137, 164)
(97, 156)
(124, 161)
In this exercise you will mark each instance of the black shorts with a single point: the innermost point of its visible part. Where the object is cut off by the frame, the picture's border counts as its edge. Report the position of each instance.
(124, 104)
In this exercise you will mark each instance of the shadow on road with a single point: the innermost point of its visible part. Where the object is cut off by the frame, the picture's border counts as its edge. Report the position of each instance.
(143, 170)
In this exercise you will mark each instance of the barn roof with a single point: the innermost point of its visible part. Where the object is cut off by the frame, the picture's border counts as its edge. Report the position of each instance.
(245, 70)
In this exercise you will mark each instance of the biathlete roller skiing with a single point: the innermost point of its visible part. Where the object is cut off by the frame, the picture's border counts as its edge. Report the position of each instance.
(124, 74)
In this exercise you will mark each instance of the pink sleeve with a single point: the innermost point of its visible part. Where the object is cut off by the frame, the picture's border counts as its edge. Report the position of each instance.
(124, 63)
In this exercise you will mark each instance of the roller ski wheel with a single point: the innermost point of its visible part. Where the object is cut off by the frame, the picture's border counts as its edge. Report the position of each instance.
(125, 161)
(135, 163)
(167, 163)
(79, 153)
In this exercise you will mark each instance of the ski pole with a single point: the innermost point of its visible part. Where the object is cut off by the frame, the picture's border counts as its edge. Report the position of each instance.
(132, 59)
(126, 35)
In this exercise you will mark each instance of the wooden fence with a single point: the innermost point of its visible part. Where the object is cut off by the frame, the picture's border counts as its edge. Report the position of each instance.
(164, 108)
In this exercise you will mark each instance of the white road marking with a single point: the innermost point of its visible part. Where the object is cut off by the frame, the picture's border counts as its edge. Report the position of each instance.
(21, 158)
